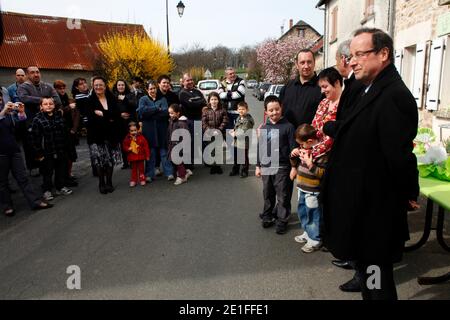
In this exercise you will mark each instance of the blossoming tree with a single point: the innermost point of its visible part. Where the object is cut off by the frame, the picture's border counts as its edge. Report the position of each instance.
(278, 58)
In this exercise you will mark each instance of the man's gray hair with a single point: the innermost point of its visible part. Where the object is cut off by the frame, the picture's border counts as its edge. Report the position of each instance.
(230, 69)
(344, 49)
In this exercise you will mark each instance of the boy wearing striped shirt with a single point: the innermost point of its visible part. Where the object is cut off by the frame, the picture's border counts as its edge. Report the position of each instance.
(309, 174)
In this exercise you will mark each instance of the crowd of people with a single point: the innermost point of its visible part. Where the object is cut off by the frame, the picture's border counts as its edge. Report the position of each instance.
(130, 125)
(347, 135)
(344, 135)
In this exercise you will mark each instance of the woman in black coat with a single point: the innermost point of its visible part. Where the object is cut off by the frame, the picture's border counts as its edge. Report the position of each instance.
(103, 133)
(71, 116)
(122, 92)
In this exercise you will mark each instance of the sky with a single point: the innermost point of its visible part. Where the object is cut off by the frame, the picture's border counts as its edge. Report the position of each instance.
(232, 23)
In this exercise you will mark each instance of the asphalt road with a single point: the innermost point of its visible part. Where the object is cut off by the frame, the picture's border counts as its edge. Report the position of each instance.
(200, 240)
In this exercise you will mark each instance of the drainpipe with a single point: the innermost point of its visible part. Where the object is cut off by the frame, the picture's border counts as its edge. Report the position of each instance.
(391, 27)
(325, 41)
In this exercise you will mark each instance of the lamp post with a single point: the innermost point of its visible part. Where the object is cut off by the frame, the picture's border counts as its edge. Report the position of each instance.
(180, 9)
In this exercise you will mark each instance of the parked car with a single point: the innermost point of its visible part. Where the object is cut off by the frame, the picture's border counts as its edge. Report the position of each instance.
(208, 86)
(255, 90)
(251, 84)
(176, 88)
(274, 90)
(262, 90)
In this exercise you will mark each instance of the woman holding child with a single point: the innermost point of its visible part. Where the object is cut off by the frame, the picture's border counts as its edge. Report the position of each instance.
(153, 113)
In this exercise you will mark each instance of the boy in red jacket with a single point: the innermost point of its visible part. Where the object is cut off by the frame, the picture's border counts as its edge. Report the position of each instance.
(137, 150)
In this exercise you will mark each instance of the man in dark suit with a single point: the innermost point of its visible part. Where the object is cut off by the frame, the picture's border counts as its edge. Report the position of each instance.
(349, 98)
(372, 175)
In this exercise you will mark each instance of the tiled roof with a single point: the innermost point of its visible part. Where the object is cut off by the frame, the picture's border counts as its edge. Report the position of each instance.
(317, 45)
(52, 42)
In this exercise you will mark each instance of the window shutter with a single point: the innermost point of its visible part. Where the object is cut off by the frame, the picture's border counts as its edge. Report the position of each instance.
(434, 75)
(418, 72)
(399, 60)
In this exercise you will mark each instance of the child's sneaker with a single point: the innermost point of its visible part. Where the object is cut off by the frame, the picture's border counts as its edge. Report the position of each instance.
(170, 178)
(64, 192)
(303, 238)
(132, 184)
(148, 179)
(48, 196)
(189, 173)
(180, 181)
(143, 183)
(158, 172)
(311, 246)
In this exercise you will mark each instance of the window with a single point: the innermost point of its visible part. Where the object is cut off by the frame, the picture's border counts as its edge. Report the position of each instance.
(435, 73)
(333, 25)
(208, 85)
(301, 33)
(369, 9)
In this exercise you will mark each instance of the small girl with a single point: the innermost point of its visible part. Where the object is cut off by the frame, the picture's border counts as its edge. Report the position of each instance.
(215, 117)
(137, 150)
(177, 121)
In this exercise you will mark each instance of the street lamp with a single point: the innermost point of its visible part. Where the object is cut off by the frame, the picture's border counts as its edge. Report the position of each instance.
(180, 9)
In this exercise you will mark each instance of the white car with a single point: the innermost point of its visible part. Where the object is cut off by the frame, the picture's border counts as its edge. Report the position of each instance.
(208, 86)
(274, 90)
(251, 84)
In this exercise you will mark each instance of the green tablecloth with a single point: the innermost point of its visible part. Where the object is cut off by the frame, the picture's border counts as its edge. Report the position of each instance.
(436, 190)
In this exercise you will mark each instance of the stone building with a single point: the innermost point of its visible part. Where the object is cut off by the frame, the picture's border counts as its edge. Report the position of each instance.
(343, 17)
(422, 29)
(62, 48)
(304, 31)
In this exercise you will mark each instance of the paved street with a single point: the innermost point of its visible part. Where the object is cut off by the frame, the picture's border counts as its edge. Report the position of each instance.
(201, 240)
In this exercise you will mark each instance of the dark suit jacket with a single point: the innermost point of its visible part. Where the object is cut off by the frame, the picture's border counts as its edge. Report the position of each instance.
(372, 174)
(349, 98)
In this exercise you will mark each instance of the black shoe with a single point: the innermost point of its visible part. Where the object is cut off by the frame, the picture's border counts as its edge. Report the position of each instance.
(102, 189)
(10, 212)
(219, 170)
(213, 170)
(268, 223)
(234, 171)
(281, 229)
(352, 285)
(109, 189)
(243, 174)
(342, 264)
(43, 205)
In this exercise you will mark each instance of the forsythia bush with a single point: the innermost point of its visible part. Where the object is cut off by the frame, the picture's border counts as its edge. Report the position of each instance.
(125, 55)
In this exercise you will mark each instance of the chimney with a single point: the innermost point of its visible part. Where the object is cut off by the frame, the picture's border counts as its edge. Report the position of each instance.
(291, 23)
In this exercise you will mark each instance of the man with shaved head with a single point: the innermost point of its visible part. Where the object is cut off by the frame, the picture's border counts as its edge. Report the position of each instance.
(12, 89)
(191, 99)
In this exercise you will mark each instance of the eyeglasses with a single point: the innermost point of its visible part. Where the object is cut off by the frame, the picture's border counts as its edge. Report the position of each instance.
(359, 54)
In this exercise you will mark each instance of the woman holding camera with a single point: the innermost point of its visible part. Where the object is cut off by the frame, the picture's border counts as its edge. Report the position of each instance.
(12, 115)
